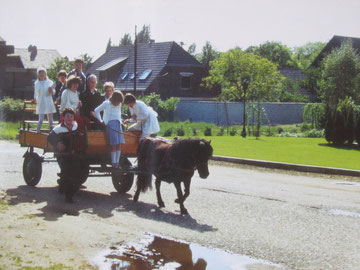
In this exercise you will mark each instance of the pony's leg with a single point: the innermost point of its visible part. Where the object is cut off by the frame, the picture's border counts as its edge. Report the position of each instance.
(186, 190)
(137, 193)
(183, 210)
(158, 194)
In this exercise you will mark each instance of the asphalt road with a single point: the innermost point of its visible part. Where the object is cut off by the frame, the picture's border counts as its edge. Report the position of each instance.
(296, 221)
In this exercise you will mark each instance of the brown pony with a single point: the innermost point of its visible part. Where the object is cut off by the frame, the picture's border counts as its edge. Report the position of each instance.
(171, 162)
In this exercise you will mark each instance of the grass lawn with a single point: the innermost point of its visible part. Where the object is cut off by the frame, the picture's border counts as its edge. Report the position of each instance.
(8, 130)
(306, 151)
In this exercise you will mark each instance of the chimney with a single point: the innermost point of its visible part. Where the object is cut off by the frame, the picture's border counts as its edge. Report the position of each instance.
(33, 52)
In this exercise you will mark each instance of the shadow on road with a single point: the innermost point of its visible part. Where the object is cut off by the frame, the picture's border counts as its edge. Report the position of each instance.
(98, 204)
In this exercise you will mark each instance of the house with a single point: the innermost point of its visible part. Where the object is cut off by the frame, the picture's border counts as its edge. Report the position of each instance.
(164, 68)
(21, 67)
(296, 75)
(4, 51)
(335, 43)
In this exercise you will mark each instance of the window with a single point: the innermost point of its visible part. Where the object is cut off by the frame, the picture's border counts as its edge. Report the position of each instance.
(186, 80)
(132, 76)
(145, 74)
(123, 77)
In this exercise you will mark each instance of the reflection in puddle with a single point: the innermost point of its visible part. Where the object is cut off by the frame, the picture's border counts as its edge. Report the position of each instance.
(156, 252)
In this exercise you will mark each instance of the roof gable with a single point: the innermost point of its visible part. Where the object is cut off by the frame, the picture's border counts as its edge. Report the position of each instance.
(151, 58)
(334, 43)
(43, 58)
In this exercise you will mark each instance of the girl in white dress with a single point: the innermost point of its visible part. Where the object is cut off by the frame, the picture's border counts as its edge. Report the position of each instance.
(145, 117)
(43, 97)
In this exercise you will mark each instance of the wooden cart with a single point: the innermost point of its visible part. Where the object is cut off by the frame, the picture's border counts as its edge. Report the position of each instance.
(96, 154)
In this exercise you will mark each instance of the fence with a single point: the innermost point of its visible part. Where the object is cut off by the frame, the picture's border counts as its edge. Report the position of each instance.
(217, 112)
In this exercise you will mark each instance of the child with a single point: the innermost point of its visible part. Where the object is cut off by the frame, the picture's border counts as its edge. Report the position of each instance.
(144, 116)
(43, 97)
(109, 90)
(112, 120)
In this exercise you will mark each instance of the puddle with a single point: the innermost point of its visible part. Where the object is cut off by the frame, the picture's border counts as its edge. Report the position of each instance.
(346, 183)
(157, 252)
(339, 212)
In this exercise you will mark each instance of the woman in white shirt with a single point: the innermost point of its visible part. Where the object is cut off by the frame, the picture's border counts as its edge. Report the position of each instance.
(43, 97)
(144, 116)
(70, 96)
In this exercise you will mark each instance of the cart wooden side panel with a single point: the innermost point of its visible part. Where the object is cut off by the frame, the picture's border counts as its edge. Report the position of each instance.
(97, 142)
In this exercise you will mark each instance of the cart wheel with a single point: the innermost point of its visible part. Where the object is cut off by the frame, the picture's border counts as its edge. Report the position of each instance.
(122, 182)
(32, 169)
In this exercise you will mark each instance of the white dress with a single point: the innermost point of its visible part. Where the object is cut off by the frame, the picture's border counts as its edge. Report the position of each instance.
(146, 117)
(44, 99)
(69, 99)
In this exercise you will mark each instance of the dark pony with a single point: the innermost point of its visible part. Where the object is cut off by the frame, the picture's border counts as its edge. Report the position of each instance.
(171, 162)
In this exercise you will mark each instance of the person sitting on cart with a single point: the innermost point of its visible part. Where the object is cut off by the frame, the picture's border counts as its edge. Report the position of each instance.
(70, 98)
(112, 120)
(65, 139)
(90, 99)
(143, 117)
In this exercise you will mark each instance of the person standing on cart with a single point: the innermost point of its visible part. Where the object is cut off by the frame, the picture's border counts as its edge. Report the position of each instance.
(143, 116)
(90, 99)
(78, 72)
(65, 140)
(112, 119)
(43, 96)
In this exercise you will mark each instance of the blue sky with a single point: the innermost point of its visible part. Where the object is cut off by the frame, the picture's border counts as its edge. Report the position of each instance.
(77, 27)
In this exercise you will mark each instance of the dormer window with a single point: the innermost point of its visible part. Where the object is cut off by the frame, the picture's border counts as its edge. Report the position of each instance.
(145, 74)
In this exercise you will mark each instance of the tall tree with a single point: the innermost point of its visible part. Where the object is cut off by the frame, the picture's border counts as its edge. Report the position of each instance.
(207, 55)
(305, 55)
(126, 40)
(144, 35)
(341, 75)
(60, 63)
(275, 52)
(235, 67)
(192, 48)
(108, 46)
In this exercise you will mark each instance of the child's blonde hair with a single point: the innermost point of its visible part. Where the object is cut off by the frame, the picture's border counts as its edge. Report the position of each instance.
(109, 84)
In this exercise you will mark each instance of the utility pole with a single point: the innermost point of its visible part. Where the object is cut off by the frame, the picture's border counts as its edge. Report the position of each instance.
(135, 58)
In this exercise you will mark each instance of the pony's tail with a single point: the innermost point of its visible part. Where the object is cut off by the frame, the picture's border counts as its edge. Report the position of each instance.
(144, 181)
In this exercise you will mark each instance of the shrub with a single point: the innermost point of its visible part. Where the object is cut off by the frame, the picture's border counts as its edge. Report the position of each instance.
(305, 127)
(168, 132)
(11, 109)
(207, 131)
(180, 131)
(221, 132)
(280, 130)
(194, 132)
(233, 131)
(314, 133)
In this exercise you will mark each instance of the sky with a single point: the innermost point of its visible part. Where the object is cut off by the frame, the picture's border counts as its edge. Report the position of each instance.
(84, 26)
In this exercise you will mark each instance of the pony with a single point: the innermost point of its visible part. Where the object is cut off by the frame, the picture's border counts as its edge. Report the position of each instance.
(173, 163)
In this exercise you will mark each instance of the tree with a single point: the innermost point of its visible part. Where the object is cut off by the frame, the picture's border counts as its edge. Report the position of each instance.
(340, 76)
(340, 91)
(126, 40)
(235, 66)
(207, 55)
(86, 59)
(108, 46)
(144, 35)
(192, 48)
(305, 55)
(275, 52)
(60, 63)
